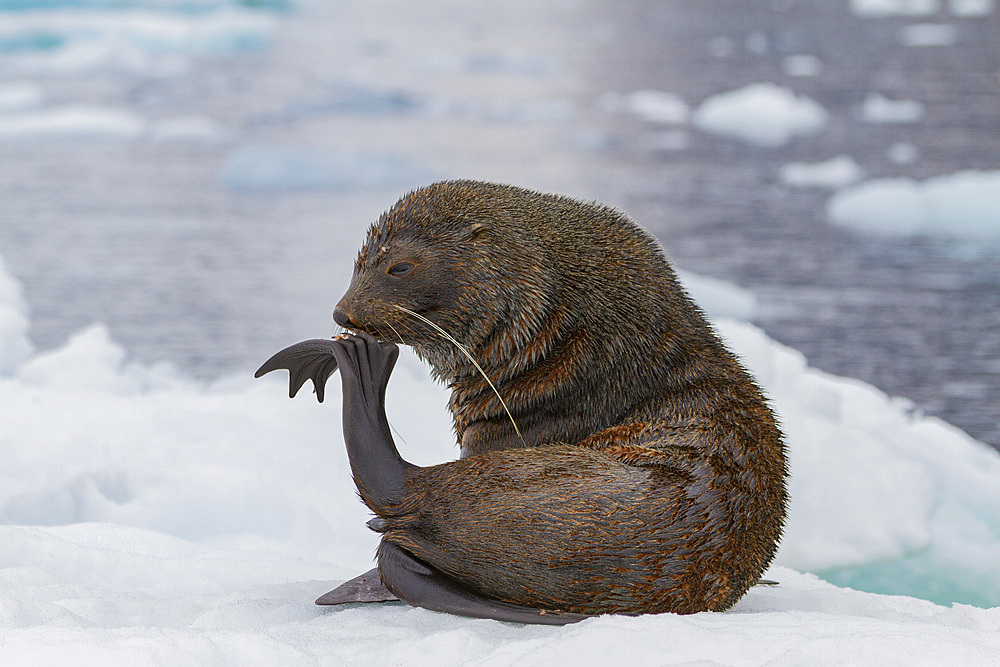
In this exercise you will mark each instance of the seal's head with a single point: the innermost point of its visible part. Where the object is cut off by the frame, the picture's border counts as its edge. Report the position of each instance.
(455, 254)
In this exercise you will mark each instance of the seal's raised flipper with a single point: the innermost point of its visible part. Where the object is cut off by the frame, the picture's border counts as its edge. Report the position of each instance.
(308, 360)
(420, 585)
(367, 587)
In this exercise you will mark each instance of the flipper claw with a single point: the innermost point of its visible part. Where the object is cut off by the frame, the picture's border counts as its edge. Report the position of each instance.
(308, 360)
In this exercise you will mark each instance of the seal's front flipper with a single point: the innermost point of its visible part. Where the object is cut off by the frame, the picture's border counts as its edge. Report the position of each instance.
(367, 587)
(420, 585)
(308, 360)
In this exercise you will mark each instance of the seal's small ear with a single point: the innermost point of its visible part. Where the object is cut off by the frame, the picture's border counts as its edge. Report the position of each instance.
(477, 230)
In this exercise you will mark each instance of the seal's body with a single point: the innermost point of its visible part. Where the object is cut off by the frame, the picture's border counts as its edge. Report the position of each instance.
(631, 466)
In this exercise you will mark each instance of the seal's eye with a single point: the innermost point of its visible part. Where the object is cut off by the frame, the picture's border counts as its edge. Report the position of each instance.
(400, 268)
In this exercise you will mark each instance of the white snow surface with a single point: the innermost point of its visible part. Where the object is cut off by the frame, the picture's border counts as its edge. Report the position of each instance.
(833, 173)
(148, 518)
(763, 114)
(965, 204)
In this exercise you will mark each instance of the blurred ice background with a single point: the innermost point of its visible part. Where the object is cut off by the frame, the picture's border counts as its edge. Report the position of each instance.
(195, 176)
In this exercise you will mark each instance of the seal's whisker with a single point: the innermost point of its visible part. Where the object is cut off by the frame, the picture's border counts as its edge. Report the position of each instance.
(401, 341)
(474, 363)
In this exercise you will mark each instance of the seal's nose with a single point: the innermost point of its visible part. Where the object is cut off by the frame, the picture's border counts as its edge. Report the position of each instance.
(343, 318)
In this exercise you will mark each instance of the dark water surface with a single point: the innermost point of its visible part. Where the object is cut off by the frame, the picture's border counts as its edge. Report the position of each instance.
(188, 260)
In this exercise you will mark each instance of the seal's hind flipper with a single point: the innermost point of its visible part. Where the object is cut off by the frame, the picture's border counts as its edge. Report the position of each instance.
(420, 585)
(308, 360)
(367, 587)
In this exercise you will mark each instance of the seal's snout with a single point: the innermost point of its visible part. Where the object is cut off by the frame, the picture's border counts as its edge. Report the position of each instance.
(343, 318)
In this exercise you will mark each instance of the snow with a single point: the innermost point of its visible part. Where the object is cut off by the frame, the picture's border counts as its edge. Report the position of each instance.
(970, 7)
(721, 298)
(833, 174)
(14, 344)
(882, 8)
(965, 204)
(146, 517)
(929, 34)
(879, 109)
(762, 114)
(658, 107)
(265, 168)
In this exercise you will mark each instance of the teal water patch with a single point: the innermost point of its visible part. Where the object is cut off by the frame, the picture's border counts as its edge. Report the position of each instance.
(35, 41)
(921, 576)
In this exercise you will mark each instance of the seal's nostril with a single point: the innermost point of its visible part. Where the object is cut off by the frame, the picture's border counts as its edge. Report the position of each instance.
(342, 317)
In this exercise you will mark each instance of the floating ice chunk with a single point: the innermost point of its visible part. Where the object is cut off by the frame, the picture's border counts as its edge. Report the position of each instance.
(971, 7)
(879, 109)
(882, 8)
(801, 65)
(902, 152)
(965, 204)
(658, 107)
(719, 298)
(187, 128)
(220, 31)
(834, 173)
(763, 114)
(78, 121)
(929, 34)
(277, 168)
(19, 96)
(14, 344)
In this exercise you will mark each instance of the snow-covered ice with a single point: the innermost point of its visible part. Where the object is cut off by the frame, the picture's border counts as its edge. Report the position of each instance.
(878, 108)
(147, 517)
(763, 114)
(965, 204)
(833, 173)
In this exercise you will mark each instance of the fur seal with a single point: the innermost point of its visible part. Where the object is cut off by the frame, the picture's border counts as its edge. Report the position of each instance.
(615, 456)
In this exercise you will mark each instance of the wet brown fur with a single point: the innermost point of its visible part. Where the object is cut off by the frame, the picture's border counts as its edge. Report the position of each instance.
(651, 474)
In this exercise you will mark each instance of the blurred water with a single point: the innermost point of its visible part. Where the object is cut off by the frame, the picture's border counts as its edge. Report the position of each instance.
(164, 230)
